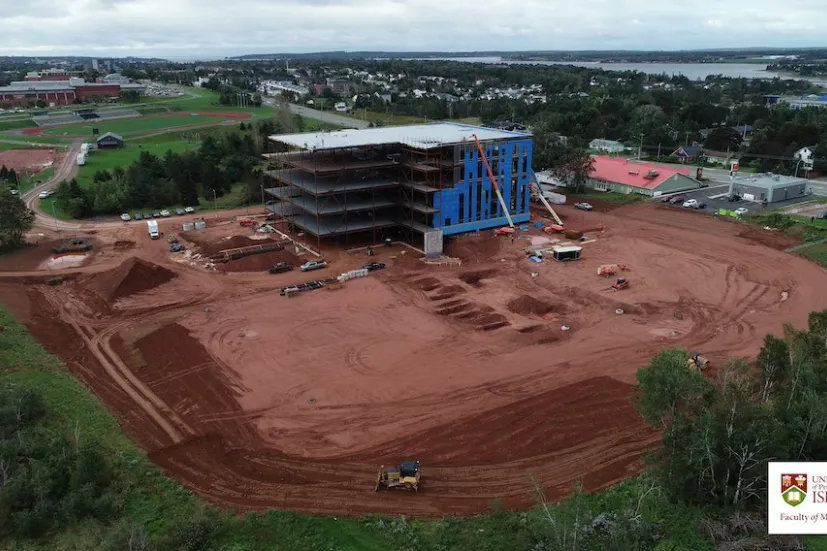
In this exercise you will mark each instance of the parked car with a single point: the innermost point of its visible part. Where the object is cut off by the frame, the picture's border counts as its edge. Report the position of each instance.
(583, 206)
(691, 203)
(189, 210)
(125, 217)
(147, 215)
(180, 212)
(313, 265)
(741, 210)
(45, 194)
(374, 266)
(14, 191)
(156, 214)
(677, 199)
(665, 199)
(176, 248)
(289, 289)
(165, 213)
(822, 215)
(280, 268)
(137, 216)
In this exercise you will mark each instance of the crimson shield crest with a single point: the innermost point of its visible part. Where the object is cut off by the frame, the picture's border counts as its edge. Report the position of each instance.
(794, 488)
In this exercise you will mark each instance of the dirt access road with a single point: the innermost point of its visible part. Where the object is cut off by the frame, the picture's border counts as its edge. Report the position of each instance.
(257, 401)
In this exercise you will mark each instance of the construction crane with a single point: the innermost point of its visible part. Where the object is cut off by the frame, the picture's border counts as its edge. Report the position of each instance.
(493, 180)
(536, 183)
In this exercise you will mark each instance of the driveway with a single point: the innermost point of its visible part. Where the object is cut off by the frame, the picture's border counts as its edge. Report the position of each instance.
(715, 198)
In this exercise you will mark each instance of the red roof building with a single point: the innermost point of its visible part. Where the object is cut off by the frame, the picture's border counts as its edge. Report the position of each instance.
(627, 176)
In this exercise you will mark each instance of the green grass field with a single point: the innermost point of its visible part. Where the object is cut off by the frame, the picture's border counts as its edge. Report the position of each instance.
(16, 124)
(137, 125)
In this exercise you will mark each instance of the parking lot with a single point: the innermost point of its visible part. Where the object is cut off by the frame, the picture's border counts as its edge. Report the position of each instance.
(715, 198)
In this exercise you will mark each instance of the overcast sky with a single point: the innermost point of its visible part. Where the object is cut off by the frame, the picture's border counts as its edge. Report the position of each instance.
(203, 29)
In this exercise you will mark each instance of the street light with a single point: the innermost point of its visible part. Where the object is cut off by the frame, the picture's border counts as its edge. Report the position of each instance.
(796, 168)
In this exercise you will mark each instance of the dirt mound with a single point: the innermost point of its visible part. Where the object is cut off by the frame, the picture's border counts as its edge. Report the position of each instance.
(774, 239)
(30, 257)
(260, 262)
(210, 248)
(474, 249)
(134, 275)
(476, 278)
(526, 305)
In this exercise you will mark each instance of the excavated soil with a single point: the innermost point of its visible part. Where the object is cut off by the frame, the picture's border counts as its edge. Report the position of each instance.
(258, 401)
(527, 305)
(208, 246)
(30, 160)
(133, 276)
(260, 262)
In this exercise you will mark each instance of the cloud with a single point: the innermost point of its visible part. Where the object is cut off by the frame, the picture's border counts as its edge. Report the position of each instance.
(217, 28)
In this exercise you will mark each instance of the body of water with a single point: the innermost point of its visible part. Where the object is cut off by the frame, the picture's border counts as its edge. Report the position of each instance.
(693, 71)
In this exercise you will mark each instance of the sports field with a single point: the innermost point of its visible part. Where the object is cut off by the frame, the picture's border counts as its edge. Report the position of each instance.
(142, 125)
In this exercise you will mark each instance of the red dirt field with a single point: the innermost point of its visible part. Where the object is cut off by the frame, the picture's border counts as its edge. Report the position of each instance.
(28, 160)
(255, 401)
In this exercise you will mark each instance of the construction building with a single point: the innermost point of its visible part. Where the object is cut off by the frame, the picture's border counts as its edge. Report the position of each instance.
(417, 183)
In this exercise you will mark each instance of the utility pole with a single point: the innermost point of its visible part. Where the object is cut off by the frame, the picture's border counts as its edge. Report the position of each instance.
(686, 142)
(659, 151)
(640, 148)
(214, 203)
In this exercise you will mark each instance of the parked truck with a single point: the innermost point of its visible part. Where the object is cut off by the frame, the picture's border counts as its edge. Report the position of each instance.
(81, 159)
(152, 226)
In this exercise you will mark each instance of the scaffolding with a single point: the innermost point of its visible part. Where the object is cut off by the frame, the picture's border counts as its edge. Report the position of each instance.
(402, 188)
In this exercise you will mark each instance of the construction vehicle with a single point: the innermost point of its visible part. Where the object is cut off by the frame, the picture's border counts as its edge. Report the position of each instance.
(697, 361)
(608, 270)
(538, 192)
(246, 222)
(404, 476)
(554, 228)
(620, 284)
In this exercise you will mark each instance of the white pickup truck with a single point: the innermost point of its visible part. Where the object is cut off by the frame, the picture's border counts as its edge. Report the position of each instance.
(152, 226)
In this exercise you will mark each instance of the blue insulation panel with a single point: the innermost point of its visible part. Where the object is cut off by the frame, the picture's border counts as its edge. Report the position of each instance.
(472, 205)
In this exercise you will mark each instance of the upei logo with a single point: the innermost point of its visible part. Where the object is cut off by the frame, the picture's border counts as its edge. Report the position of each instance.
(794, 488)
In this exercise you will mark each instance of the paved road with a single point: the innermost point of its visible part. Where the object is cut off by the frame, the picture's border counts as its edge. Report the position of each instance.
(66, 171)
(326, 116)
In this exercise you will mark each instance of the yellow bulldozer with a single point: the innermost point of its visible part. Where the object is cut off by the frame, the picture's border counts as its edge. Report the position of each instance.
(405, 476)
(696, 361)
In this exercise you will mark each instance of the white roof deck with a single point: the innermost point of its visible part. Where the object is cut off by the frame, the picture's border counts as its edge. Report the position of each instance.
(419, 136)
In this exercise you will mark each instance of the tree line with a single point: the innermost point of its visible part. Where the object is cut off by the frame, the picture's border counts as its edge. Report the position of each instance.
(719, 433)
(663, 111)
(151, 181)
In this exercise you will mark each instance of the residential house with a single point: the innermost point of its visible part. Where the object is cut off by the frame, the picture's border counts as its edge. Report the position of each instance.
(625, 176)
(688, 153)
(719, 157)
(805, 157)
(607, 146)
